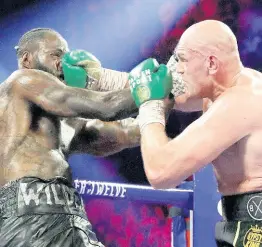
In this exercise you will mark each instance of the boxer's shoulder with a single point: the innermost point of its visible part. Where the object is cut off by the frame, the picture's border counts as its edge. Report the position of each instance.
(27, 72)
(30, 74)
(237, 98)
(250, 78)
(32, 80)
(243, 101)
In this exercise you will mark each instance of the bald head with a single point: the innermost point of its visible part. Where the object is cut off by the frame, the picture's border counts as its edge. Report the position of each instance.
(209, 37)
(208, 58)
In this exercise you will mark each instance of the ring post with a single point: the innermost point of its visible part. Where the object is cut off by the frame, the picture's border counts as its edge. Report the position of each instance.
(205, 212)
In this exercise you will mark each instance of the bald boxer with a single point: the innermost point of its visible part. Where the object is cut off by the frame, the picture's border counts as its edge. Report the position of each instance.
(42, 122)
(228, 134)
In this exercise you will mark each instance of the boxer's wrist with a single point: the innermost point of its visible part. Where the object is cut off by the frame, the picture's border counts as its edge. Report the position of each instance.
(111, 80)
(152, 111)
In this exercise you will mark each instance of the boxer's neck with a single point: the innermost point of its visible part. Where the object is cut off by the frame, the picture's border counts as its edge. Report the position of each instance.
(225, 80)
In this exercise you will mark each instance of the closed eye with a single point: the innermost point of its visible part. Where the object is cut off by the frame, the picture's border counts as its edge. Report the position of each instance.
(57, 53)
(181, 58)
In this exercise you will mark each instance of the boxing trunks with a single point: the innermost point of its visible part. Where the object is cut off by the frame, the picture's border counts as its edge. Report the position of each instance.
(39, 213)
(242, 223)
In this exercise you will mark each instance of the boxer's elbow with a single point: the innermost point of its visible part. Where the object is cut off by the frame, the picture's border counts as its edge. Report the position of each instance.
(157, 183)
(112, 111)
(118, 105)
(167, 175)
(107, 115)
(157, 178)
(164, 181)
(154, 168)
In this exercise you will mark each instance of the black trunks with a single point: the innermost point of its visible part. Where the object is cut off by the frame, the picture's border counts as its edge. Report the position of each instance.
(242, 224)
(37, 213)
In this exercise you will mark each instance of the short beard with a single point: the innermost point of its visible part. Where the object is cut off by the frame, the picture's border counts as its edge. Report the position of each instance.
(41, 66)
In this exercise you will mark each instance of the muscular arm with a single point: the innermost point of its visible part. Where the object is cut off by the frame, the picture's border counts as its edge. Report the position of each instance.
(53, 96)
(111, 80)
(116, 80)
(168, 163)
(103, 138)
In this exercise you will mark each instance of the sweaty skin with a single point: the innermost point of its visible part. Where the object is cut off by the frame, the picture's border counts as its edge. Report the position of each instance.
(229, 132)
(34, 103)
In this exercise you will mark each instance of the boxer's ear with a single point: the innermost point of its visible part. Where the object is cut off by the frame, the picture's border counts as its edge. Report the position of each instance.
(26, 60)
(212, 65)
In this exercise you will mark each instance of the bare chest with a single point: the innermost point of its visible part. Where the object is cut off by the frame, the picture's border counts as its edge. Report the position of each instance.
(230, 160)
(239, 168)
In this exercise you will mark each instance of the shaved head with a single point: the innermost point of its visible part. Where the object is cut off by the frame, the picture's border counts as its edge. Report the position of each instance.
(208, 58)
(210, 37)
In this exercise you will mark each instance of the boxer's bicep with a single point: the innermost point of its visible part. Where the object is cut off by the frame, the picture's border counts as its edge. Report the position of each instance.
(224, 124)
(205, 139)
(106, 106)
(41, 89)
(53, 96)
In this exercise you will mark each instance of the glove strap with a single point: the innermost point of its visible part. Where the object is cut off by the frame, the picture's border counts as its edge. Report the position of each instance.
(111, 80)
(152, 111)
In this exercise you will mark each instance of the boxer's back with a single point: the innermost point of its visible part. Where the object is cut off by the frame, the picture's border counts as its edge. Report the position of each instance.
(239, 168)
(29, 139)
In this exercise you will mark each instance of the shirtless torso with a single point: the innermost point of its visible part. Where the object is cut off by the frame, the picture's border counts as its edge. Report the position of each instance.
(30, 140)
(31, 136)
(239, 168)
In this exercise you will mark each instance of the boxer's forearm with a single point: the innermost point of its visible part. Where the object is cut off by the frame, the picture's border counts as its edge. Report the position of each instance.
(110, 80)
(113, 80)
(153, 138)
(108, 106)
(98, 78)
(166, 162)
(104, 138)
(121, 105)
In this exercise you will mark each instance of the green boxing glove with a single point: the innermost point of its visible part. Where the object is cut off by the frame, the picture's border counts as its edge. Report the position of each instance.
(80, 68)
(150, 81)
